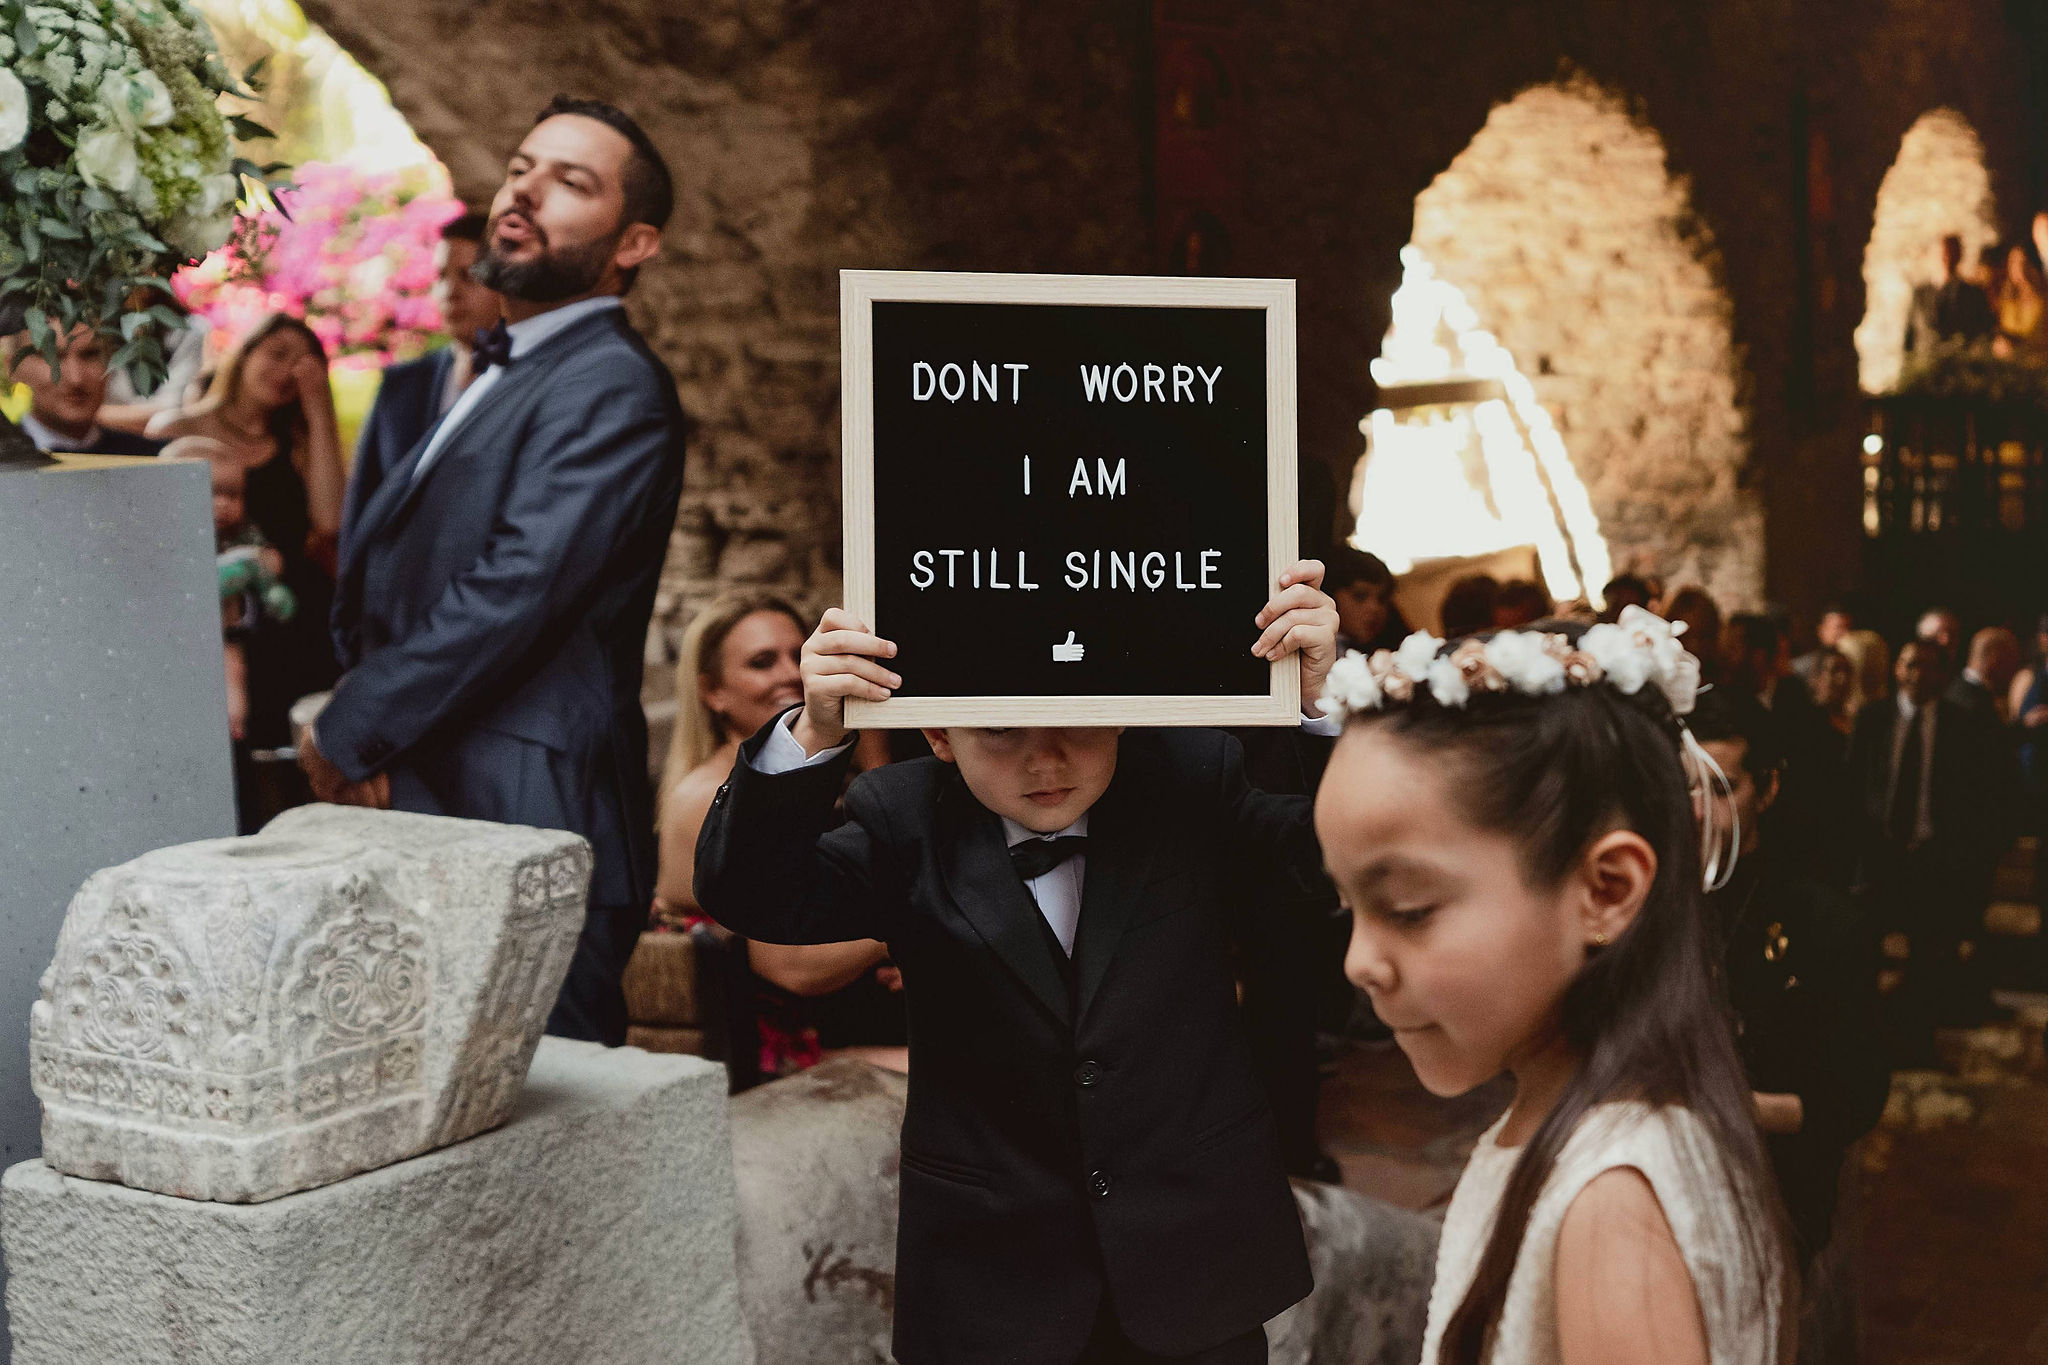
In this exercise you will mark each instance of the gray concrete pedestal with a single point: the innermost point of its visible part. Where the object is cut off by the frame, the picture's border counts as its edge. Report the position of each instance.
(596, 1226)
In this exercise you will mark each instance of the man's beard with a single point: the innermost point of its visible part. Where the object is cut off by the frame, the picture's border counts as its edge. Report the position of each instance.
(551, 277)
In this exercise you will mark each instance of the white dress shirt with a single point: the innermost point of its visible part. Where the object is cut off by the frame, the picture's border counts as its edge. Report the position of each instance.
(1057, 890)
(49, 438)
(1923, 807)
(525, 336)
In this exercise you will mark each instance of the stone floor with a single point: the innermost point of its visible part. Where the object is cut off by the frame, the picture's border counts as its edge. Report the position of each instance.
(1947, 1200)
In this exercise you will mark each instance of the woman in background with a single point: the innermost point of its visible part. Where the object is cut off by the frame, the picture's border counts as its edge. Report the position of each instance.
(739, 670)
(270, 413)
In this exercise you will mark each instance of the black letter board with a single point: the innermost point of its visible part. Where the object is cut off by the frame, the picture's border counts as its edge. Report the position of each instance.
(1066, 497)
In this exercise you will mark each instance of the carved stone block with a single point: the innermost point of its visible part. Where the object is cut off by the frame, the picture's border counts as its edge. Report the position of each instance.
(237, 1019)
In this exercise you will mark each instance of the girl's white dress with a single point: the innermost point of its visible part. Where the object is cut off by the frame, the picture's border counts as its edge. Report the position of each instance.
(1675, 1153)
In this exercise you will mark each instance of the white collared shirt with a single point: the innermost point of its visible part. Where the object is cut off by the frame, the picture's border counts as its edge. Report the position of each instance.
(525, 336)
(1057, 891)
(51, 439)
(1902, 725)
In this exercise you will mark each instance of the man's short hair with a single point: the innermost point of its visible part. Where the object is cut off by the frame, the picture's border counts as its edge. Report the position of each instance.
(1760, 631)
(1722, 715)
(468, 227)
(650, 193)
(1349, 566)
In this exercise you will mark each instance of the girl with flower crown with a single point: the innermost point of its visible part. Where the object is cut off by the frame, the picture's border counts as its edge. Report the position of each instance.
(1512, 824)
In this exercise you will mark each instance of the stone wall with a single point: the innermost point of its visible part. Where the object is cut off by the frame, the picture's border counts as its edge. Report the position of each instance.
(1000, 134)
(1581, 253)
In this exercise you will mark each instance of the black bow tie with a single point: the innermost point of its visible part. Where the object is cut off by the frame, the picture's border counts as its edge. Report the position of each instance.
(1036, 857)
(493, 347)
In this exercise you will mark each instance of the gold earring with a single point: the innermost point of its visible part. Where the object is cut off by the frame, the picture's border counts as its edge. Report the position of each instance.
(1600, 940)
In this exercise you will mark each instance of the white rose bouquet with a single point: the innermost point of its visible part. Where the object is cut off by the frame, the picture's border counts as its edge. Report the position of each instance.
(116, 167)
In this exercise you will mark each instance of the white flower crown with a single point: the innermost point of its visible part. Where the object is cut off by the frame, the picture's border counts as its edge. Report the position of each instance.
(1638, 649)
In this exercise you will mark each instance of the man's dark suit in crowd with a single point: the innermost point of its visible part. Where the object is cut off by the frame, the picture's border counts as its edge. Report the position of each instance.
(1085, 1136)
(494, 597)
(409, 403)
(414, 394)
(1924, 770)
(1950, 309)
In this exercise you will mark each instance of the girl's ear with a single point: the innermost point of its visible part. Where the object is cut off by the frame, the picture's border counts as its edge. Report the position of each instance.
(1614, 881)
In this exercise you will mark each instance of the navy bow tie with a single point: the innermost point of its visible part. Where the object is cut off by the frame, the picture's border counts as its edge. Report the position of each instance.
(1036, 857)
(493, 347)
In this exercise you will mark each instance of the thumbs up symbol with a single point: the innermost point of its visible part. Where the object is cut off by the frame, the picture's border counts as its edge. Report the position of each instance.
(1068, 653)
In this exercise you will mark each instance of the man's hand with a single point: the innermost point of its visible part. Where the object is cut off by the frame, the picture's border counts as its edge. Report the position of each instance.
(1301, 619)
(839, 662)
(331, 785)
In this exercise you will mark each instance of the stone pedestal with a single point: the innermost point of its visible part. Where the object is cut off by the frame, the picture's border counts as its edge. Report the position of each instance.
(113, 711)
(596, 1226)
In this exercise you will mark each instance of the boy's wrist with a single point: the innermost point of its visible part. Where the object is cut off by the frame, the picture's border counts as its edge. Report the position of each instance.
(815, 738)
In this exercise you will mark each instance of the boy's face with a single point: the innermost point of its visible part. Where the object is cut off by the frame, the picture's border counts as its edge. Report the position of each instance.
(1043, 777)
(1361, 610)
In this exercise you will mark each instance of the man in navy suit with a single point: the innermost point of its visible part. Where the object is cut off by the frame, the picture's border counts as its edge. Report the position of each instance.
(415, 394)
(63, 413)
(492, 604)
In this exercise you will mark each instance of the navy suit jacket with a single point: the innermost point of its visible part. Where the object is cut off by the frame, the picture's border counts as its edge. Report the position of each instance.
(491, 616)
(408, 404)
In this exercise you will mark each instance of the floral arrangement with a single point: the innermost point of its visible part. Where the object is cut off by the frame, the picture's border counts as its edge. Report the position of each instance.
(352, 252)
(1956, 367)
(1638, 650)
(119, 165)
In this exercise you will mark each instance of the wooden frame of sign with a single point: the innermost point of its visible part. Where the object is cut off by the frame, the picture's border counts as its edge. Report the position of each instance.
(1278, 701)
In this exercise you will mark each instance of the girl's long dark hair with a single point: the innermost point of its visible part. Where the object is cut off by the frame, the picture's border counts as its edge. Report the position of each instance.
(1644, 1015)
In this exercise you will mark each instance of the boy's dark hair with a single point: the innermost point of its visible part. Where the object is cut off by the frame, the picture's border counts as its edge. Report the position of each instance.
(1524, 598)
(1554, 773)
(1468, 606)
(468, 227)
(1350, 566)
(1725, 716)
(650, 193)
(1760, 632)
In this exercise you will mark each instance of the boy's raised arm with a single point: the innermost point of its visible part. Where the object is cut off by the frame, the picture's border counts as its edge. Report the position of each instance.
(769, 863)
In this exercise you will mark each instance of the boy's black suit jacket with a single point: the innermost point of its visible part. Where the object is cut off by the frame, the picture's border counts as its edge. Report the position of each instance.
(1060, 1141)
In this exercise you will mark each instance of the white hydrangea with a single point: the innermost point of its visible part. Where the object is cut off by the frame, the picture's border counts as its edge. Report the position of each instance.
(1350, 687)
(13, 110)
(106, 157)
(1447, 683)
(1416, 654)
(1519, 656)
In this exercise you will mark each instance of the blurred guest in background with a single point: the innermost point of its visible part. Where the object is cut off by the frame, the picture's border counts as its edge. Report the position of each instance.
(1949, 309)
(2023, 680)
(1833, 684)
(1626, 590)
(1835, 621)
(1702, 616)
(64, 404)
(1467, 608)
(415, 394)
(739, 670)
(1919, 768)
(1987, 678)
(1870, 665)
(269, 412)
(1801, 970)
(2017, 297)
(1520, 603)
(1810, 826)
(1945, 629)
(1363, 589)
(185, 360)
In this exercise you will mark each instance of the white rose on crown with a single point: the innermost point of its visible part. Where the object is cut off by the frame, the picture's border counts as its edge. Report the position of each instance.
(1416, 654)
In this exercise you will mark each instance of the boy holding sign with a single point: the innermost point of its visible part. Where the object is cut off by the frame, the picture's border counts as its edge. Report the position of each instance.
(1089, 1169)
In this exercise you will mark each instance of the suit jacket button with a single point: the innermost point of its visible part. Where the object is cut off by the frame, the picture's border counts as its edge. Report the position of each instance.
(1088, 1073)
(1098, 1181)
